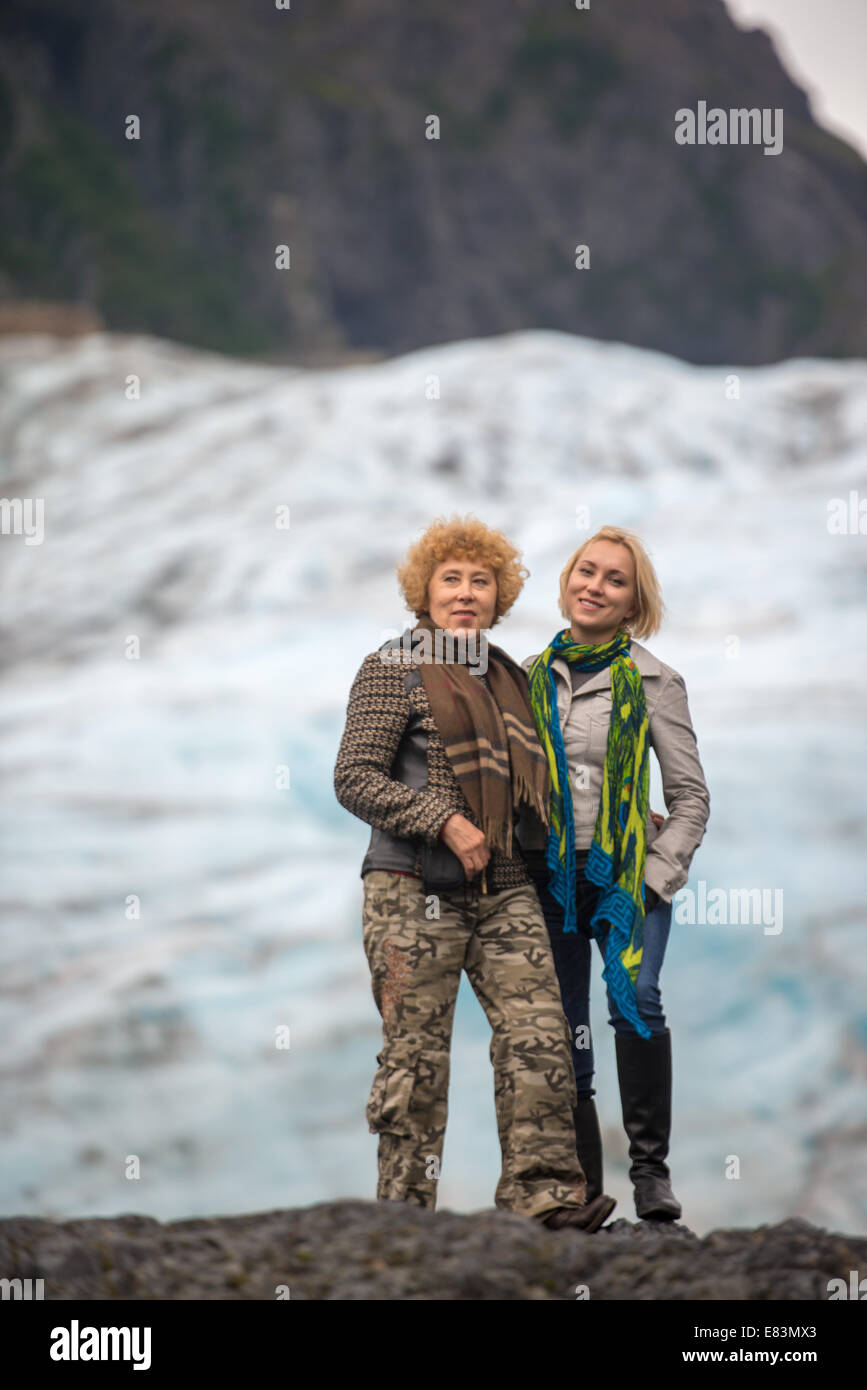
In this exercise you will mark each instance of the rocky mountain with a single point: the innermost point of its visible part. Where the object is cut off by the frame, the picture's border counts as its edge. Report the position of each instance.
(306, 127)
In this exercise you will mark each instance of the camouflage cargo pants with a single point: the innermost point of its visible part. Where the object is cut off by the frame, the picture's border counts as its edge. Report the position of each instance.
(416, 960)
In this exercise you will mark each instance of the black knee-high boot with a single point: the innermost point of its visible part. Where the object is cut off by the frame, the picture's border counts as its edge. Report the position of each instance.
(588, 1141)
(644, 1072)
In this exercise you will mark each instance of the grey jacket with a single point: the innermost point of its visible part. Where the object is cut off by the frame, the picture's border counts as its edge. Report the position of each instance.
(584, 719)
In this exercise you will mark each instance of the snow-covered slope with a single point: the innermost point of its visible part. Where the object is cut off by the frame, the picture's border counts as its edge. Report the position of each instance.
(158, 777)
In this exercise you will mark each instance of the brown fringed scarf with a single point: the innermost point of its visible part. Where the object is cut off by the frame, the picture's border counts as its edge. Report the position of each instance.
(489, 734)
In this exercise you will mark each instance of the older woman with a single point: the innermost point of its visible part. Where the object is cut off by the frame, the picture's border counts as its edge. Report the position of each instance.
(439, 756)
(601, 701)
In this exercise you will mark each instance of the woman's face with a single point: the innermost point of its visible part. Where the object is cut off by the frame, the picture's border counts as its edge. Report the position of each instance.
(600, 594)
(462, 595)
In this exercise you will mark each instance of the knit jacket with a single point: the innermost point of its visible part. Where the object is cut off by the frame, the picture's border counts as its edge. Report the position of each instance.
(379, 710)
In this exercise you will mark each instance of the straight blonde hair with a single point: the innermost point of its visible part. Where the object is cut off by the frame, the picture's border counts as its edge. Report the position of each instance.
(648, 594)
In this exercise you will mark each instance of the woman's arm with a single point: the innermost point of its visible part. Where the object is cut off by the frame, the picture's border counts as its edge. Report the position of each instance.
(684, 788)
(377, 715)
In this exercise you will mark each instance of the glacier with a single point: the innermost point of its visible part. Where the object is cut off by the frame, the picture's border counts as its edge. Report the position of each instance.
(177, 880)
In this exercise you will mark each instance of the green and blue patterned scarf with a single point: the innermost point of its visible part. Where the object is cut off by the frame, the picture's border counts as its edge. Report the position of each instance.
(617, 855)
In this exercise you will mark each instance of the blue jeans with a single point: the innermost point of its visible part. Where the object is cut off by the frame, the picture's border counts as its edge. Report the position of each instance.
(572, 957)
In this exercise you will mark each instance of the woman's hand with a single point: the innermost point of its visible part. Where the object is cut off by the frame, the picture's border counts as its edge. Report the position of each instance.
(467, 842)
(657, 819)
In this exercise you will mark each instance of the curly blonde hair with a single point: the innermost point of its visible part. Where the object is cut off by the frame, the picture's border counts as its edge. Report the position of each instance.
(464, 538)
(648, 594)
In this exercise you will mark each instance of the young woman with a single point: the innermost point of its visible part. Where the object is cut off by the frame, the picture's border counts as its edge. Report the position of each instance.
(602, 869)
(440, 757)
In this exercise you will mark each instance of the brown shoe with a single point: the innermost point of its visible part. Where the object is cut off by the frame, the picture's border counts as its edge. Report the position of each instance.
(588, 1217)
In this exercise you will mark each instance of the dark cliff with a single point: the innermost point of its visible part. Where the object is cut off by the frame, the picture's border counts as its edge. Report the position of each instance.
(306, 127)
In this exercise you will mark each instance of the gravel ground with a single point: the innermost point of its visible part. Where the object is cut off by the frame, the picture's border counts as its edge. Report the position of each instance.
(367, 1250)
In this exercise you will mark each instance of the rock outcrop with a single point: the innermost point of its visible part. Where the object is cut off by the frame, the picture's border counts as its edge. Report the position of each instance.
(154, 157)
(369, 1250)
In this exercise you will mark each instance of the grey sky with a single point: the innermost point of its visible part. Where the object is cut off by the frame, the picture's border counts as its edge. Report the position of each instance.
(823, 44)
